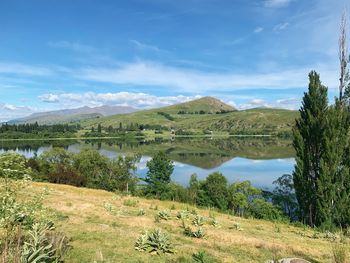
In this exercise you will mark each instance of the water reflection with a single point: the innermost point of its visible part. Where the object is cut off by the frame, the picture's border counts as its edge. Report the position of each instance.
(259, 160)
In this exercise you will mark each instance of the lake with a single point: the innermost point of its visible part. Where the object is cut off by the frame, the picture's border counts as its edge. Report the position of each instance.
(259, 160)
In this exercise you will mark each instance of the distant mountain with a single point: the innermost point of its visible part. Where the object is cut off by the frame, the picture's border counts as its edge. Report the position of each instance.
(73, 115)
(205, 105)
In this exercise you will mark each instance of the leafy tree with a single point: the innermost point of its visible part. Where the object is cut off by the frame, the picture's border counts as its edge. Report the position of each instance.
(158, 175)
(194, 188)
(122, 173)
(94, 166)
(308, 142)
(240, 196)
(284, 195)
(215, 190)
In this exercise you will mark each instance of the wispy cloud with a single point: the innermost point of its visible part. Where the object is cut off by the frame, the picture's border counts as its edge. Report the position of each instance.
(145, 73)
(142, 46)
(258, 30)
(137, 100)
(281, 26)
(75, 46)
(277, 3)
(23, 69)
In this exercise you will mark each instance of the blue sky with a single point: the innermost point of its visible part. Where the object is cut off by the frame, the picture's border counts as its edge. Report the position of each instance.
(148, 53)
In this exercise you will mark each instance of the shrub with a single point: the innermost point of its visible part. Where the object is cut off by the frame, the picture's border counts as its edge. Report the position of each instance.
(66, 175)
(198, 220)
(141, 212)
(163, 215)
(262, 209)
(196, 234)
(202, 257)
(155, 242)
(183, 214)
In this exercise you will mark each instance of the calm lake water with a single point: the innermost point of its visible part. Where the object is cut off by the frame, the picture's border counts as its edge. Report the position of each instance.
(259, 160)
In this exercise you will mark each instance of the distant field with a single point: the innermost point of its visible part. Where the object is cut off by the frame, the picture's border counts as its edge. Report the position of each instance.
(263, 121)
(108, 235)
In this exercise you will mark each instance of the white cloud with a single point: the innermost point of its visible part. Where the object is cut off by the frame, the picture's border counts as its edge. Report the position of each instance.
(75, 46)
(277, 3)
(281, 26)
(144, 73)
(51, 98)
(136, 100)
(142, 46)
(258, 30)
(10, 111)
(289, 103)
(23, 69)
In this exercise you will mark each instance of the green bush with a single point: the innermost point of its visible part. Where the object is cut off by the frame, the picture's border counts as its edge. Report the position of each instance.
(199, 233)
(155, 242)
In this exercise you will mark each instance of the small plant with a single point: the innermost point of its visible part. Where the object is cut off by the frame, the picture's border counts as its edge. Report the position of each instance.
(163, 215)
(198, 220)
(155, 242)
(237, 226)
(130, 202)
(196, 234)
(183, 214)
(214, 222)
(141, 212)
(173, 207)
(339, 254)
(194, 212)
(109, 207)
(202, 257)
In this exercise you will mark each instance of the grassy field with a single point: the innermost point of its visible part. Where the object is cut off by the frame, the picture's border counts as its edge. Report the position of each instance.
(103, 227)
(254, 120)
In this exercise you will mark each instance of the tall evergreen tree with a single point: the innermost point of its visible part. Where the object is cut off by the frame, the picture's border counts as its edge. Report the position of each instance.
(308, 139)
(332, 191)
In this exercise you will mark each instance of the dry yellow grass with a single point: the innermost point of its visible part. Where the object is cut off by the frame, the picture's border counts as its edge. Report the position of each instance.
(101, 235)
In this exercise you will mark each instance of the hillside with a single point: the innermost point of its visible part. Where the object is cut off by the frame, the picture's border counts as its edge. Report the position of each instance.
(73, 115)
(103, 227)
(181, 116)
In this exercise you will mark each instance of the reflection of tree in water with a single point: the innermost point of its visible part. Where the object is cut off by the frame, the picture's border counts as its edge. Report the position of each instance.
(33, 146)
(201, 152)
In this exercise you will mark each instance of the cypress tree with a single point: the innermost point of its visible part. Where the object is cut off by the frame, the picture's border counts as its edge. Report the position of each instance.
(308, 139)
(332, 191)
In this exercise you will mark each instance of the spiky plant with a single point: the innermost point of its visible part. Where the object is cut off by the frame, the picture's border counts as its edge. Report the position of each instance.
(198, 220)
(163, 215)
(155, 242)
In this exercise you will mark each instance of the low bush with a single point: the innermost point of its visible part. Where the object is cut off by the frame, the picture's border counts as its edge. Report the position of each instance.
(155, 242)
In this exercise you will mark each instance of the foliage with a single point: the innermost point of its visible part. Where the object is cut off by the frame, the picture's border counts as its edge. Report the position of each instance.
(215, 191)
(284, 195)
(163, 215)
(158, 175)
(241, 194)
(24, 226)
(262, 209)
(202, 257)
(309, 134)
(155, 242)
(198, 220)
(199, 233)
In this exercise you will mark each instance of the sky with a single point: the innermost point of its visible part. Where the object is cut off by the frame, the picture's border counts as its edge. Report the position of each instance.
(57, 54)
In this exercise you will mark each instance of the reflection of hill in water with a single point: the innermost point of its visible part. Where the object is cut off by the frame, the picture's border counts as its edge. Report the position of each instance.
(210, 153)
(200, 152)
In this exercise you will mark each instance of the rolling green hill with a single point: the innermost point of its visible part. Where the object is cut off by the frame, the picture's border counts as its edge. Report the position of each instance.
(205, 114)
